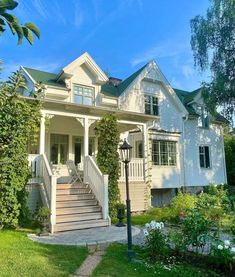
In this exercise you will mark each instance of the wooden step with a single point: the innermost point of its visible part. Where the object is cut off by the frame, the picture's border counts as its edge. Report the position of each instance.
(78, 217)
(77, 210)
(71, 197)
(72, 191)
(70, 186)
(60, 227)
(76, 203)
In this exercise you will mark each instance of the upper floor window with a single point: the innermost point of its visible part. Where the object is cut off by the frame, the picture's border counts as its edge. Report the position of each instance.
(151, 105)
(83, 95)
(164, 152)
(203, 120)
(204, 156)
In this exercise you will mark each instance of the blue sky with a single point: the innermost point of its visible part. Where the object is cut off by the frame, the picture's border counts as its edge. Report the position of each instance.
(121, 35)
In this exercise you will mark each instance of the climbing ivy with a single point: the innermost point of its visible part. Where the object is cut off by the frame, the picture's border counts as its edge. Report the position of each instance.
(19, 119)
(107, 157)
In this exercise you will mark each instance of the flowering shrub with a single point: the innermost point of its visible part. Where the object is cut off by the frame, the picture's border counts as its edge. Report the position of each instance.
(223, 253)
(195, 229)
(155, 241)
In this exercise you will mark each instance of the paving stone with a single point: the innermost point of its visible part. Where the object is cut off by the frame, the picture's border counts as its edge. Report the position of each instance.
(89, 265)
(94, 236)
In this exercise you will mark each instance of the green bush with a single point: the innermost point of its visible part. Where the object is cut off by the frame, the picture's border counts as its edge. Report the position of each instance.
(19, 119)
(181, 203)
(195, 229)
(162, 214)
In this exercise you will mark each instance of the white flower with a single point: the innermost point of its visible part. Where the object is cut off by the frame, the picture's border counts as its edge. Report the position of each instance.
(233, 249)
(226, 247)
(227, 242)
(220, 247)
(146, 233)
(147, 225)
(153, 224)
(162, 224)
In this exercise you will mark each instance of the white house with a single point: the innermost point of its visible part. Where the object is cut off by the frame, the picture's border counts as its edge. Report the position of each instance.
(176, 143)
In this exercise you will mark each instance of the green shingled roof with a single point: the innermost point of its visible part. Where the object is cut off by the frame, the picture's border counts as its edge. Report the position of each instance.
(115, 91)
(46, 78)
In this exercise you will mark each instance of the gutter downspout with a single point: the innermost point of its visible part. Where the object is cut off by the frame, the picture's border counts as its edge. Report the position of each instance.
(185, 118)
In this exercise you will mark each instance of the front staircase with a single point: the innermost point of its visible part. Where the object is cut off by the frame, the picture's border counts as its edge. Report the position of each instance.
(77, 208)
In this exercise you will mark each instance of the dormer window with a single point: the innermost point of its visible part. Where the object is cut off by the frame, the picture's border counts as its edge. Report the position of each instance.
(151, 105)
(83, 95)
(203, 119)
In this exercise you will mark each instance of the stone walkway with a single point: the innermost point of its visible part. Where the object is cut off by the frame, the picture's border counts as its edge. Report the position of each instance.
(93, 236)
(96, 253)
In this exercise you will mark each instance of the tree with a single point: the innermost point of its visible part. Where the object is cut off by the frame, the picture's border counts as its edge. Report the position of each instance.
(229, 148)
(213, 45)
(19, 119)
(27, 30)
(108, 158)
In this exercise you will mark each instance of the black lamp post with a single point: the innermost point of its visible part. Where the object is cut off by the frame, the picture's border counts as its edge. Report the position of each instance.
(126, 151)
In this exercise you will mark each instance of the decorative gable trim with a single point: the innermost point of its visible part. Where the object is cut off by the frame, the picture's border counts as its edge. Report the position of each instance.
(157, 77)
(90, 63)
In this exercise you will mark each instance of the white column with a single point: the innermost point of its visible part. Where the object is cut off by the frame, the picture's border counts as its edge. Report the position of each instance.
(42, 135)
(86, 137)
(71, 154)
(145, 149)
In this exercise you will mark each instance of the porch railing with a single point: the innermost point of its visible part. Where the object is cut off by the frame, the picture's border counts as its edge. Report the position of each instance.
(98, 183)
(42, 173)
(136, 170)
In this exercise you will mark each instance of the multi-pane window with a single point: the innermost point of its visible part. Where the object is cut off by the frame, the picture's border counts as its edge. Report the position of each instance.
(164, 152)
(203, 119)
(151, 105)
(204, 156)
(139, 149)
(59, 148)
(83, 95)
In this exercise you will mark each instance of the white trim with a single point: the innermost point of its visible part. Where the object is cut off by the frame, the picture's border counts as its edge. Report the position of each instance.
(87, 59)
(26, 72)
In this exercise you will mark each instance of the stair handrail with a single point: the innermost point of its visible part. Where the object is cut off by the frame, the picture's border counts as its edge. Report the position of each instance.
(49, 182)
(98, 183)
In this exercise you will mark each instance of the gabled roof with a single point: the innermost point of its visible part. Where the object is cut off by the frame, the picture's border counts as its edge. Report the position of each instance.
(109, 89)
(44, 77)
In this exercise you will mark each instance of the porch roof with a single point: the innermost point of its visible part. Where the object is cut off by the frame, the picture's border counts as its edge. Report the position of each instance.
(94, 111)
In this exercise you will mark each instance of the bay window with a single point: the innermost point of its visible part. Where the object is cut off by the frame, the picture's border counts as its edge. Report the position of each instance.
(164, 153)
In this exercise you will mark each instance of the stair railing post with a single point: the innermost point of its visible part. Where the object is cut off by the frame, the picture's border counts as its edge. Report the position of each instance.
(106, 197)
(53, 184)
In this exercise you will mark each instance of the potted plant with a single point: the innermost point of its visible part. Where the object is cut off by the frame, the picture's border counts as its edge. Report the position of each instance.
(43, 217)
(120, 214)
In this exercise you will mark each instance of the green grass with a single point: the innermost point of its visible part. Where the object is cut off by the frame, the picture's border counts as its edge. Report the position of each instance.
(116, 264)
(20, 256)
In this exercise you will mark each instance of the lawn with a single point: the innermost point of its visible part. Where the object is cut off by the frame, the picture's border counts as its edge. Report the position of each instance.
(116, 264)
(20, 256)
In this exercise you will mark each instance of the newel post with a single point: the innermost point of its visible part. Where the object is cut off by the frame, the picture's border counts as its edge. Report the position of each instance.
(53, 202)
(106, 197)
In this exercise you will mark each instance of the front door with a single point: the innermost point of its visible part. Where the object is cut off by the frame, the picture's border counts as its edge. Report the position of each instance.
(78, 149)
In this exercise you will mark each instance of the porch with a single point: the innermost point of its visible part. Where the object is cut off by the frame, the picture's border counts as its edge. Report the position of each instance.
(67, 132)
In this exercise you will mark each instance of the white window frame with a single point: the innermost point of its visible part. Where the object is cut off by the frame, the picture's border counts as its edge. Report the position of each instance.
(82, 94)
(168, 154)
(151, 104)
(203, 119)
(204, 156)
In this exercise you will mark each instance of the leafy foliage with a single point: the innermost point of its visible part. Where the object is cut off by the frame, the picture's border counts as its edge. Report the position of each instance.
(27, 30)
(107, 158)
(195, 229)
(18, 120)
(229, 148)
(182, 202)
(213, 45)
